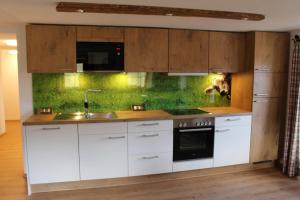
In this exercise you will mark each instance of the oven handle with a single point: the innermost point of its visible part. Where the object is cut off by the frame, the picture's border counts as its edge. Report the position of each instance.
(195, 130)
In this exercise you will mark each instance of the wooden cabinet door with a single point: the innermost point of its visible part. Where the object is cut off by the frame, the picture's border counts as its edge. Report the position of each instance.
(146, 50)
(52, 152)
(266, 125)
(100, 34)
(227, 52)
(188, 51)
(269, 84)
(271, 51)
(51, 49)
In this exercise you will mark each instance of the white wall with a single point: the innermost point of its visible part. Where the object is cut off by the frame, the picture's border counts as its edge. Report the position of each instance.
(2, 113)
(25, 82)
(9, 73)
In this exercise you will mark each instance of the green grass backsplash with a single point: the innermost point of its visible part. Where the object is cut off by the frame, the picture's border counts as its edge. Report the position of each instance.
(65, 92)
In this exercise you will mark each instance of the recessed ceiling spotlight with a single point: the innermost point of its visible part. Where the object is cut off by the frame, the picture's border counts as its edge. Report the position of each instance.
(80, 10)
(169, 14)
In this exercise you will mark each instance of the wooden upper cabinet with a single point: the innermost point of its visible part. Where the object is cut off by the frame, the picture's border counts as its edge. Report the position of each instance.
(51, 49)
(227, 52)
(188, 51)
(146, 50)
(100, 34)
(271, 51)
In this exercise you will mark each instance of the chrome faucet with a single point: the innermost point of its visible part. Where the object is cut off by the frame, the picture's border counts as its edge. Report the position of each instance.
(86, 102)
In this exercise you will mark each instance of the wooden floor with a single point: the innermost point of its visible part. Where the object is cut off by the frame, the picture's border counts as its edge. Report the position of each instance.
(12, 181)
(253, 185)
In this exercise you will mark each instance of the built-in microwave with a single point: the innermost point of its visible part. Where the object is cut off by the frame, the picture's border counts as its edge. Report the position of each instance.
(100, 56)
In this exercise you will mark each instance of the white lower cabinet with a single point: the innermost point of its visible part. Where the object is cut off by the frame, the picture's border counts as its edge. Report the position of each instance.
(193, 164)
(103, 151)
(150, 147)
(52, 153)
(232, 142)
(155, 163)
(120, 149)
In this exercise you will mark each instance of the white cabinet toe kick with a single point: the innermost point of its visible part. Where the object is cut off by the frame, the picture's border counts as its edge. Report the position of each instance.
(64, 153)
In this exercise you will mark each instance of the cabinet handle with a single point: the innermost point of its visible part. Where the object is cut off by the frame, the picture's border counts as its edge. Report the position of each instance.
(222, 131)
(261, 94)
(152, 135)
(216, 69)
(233, 120)
(263, 68)
(50, 129)
(119, 137)
(150, 124)
(149, 157)
(195, 130)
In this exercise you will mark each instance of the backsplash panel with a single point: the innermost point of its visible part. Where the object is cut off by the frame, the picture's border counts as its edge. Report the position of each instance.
(65, 92)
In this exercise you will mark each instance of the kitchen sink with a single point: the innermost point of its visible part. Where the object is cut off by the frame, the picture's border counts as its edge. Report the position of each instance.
(81, 116)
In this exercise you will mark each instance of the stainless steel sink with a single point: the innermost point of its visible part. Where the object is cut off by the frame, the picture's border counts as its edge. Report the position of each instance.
(81, 116)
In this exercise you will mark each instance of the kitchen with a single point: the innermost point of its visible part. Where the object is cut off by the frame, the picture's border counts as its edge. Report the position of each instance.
(121, 106)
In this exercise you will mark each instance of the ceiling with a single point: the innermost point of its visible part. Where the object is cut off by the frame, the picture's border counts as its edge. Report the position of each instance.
(280, 15)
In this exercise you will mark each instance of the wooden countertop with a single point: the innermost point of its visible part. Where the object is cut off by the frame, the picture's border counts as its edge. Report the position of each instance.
(136, 116)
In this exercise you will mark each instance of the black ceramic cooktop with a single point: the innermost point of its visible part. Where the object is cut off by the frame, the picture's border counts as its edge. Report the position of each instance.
(186, 111)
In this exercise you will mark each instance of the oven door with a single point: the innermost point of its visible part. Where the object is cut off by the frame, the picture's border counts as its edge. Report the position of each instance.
(193, 143)
(100, 56)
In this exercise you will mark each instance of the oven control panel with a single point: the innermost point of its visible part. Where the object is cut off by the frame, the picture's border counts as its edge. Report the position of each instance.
(193, 122)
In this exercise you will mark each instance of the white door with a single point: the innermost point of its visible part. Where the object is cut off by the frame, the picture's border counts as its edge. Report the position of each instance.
(103, 156)
(52, 153)
(232, 145)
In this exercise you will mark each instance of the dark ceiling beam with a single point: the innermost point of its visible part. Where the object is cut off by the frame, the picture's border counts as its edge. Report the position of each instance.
(154, 10)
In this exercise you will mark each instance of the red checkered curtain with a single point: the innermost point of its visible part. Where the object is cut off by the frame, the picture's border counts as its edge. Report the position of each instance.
(291, 155)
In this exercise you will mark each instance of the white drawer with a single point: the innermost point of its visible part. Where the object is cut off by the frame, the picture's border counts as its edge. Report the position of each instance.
(233, 121)
(150, 142)
(50, 129)
(141, 126)
(150, 164)
(102, 128)
(192, 164)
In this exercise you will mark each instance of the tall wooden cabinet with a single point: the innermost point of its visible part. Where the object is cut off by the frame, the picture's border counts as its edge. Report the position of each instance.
(146, 50)
(188, 51)
(271, 53)
(51, 48)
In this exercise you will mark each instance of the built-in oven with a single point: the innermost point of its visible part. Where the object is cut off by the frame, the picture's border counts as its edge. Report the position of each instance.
(100, 56)
(193, 138)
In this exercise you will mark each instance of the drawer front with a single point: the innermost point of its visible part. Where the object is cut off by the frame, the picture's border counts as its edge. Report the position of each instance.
(269, 84)
(51, 129)
(150, 164)
(102, 128)
(233, 121)
(103, 156)
(141, 126)
(192, 165)
(150, 142)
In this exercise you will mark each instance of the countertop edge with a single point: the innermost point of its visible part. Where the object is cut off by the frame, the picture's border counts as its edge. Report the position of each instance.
(31, 122)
